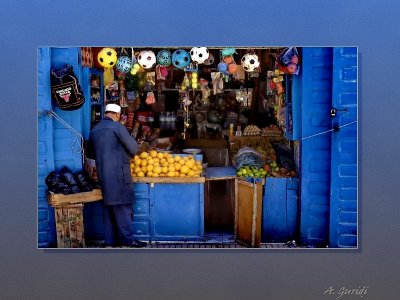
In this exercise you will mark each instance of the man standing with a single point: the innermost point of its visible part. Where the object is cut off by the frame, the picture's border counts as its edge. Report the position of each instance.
(112, 147)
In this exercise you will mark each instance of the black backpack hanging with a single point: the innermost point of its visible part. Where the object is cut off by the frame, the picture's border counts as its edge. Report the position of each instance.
(65, 88)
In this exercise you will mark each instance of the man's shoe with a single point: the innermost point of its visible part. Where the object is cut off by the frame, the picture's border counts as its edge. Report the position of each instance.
(138, 244)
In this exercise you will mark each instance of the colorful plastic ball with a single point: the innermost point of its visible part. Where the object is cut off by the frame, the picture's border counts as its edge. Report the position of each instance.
(124, 64)
(180, 58)
(107, 57)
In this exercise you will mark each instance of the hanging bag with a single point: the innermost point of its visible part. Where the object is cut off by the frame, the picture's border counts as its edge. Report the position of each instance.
(65, 88)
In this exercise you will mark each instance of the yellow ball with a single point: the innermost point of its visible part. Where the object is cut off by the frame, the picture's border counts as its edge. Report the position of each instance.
(150, 161)
(155, 175)
(149, 174)
(165, 164)
(177, 174)
(165, 170)
(153, 153)
(182, 162)
(170, 160)
(143, 163)
(177, 158)
(137, 169)
(160, 155)
(143, 169)
(137, 162)
(140, 174)
(171, 168)
(171, 174)
(190, 173)
(107, 57)
(150, 168)
(177, 166)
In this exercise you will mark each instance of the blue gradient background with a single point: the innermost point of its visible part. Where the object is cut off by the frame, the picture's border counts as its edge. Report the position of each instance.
(28, 273)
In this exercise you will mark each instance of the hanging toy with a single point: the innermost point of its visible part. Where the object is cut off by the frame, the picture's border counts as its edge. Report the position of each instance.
(150, 98)
(228, 51)
(199, 54)
(164, 58)
(147, 59)
(124, 64)
(288, 61)
(107, 58)
(135, 68)
(250, 62)
(194, 80)
(185, 82)
(180, 58)
(223, 68)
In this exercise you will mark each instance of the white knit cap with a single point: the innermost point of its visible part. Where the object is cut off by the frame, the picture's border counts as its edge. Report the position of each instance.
(113, 108)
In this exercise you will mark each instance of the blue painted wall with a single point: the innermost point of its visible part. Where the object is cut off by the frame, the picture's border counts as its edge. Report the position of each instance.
(343, 205)
(57, 145)
(46, 223)
(316, 95)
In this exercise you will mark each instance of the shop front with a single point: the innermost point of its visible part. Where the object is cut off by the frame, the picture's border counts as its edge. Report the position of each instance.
(241, 145)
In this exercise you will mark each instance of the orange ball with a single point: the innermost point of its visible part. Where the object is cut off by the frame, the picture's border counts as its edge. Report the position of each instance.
(232, 68)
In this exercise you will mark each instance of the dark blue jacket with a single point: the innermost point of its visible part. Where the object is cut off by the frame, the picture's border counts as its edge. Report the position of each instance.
(111, 145)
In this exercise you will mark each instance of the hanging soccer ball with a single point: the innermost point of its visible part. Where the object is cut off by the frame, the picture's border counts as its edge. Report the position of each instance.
(147, 59)
(210, 60)
(124, 64)
(250, 62)
(164, 57)
(180, 58)
(199, 54)
(107, 57)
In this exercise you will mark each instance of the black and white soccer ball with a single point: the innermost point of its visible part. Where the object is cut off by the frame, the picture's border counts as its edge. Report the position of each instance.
(250, 62)
(199, 54)
(146, 59)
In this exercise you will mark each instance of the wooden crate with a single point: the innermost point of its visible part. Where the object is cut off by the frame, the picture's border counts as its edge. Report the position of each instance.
(69, 226)
(61, 199)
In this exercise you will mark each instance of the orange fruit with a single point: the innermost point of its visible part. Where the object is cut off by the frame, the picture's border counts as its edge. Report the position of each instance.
(184, 169)
(144, 155)
(153, 153)
(157, 170)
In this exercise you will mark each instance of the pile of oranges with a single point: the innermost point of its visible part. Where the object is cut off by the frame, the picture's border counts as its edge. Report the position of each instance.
(158, 164)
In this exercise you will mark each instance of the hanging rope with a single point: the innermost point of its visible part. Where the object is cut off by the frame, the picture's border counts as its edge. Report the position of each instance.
(330, 130)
